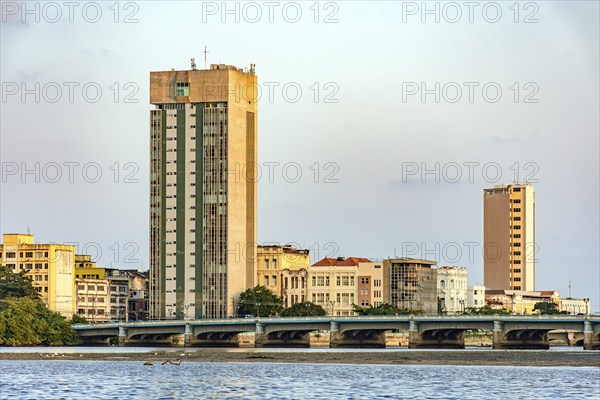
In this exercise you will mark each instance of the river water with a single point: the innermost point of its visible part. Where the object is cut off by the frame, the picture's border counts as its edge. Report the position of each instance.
(54, 379)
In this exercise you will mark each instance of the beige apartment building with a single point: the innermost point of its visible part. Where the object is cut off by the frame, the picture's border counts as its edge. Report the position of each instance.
(333, 284)
(203, 190)
(51, 267)
(412, 284)
(370, 284)
(509, 237)
(284, 270)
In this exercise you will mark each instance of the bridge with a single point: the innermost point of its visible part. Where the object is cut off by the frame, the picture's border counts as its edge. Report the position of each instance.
(424, 331)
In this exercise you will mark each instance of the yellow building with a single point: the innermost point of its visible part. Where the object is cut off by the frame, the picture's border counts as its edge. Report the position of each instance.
(85, 268)
(51, 267)
(509, 237)
(203, 190)
(520, 302)
(284, 270)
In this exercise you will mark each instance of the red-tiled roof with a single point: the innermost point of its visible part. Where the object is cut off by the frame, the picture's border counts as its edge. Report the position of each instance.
(326, 262)
(341, 262)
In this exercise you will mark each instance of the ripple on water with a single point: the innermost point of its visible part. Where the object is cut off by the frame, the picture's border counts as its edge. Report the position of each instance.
(196, 380)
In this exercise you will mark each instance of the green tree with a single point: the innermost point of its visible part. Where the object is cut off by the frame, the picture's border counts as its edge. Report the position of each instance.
(384, 309)
(485, 310)
(306, 308)
(78, 319)
(260, 302)
(13, 285)
(546, 307)
(24, 319)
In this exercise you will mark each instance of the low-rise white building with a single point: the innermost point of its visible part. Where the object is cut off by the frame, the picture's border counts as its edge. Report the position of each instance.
(575, 306)
(475, 296)
(451, 289)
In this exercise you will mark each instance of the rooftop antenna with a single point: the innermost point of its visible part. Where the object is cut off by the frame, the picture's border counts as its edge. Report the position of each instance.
(193, 60)
(569, 289)
(28, 231)
(205, 53)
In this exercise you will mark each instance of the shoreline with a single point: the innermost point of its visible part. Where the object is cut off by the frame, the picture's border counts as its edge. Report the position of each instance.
(532, 358)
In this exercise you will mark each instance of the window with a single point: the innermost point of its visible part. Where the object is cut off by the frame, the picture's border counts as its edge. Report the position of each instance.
(266, 264)
(267, 280)
(274, 264)
(29, 254)
(517, 261)
(80, 287)
(38, 266)
(517, 235)
(38, 254)
(517, 210)
(516, 218)
(274, 280)
(45, 254)
(517, 227)
(28, 266)
(517, 201)
(516, 253)
(517, 279)
(517, 270)
(378, 266)
(11, 254)
(182, 89)
(517, 288)
(517, 244)
(101, 288)
(475, 302)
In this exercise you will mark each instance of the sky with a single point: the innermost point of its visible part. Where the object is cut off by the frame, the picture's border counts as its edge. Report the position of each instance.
(380, 123)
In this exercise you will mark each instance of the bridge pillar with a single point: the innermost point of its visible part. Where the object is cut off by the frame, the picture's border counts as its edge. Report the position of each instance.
(259, 335)
(414, 336)
(335, 338)
(590, 341)
(188, 336)
(122, 336)
(498, 335)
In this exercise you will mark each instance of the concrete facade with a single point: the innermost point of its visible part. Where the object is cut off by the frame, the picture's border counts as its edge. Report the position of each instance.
(412, 284)
(203, 190)
(509, 237)
(51, 267)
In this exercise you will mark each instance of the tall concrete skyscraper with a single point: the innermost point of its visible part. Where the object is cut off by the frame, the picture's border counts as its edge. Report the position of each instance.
(203, 186)
(509, 237)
